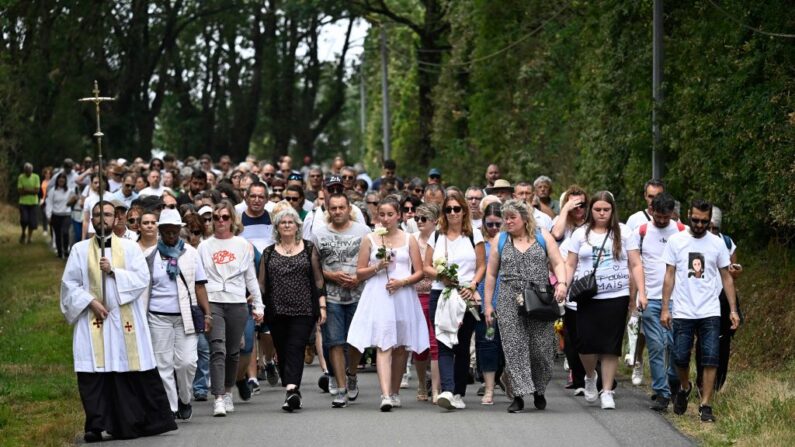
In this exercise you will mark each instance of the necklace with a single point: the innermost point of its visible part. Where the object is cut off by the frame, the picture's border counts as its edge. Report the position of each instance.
(287, 250)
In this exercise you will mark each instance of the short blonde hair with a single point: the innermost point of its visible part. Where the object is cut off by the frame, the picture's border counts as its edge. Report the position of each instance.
(236, 227)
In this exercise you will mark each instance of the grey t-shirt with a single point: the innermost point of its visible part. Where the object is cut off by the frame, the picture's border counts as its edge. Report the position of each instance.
(339, 252)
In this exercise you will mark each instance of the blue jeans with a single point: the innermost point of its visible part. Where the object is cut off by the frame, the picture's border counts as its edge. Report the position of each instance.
(338, 321)
(708, 338)
(454, 363)
(488, 353)
(660, 342)
(248, 334)
(202, 367)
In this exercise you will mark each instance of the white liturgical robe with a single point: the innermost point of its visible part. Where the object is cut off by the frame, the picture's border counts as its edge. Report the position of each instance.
(125, 286)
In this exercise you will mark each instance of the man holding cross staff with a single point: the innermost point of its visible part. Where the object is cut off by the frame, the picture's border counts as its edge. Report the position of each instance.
(101, 290)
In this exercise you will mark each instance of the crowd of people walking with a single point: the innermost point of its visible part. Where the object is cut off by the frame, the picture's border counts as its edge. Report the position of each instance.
(211, 277)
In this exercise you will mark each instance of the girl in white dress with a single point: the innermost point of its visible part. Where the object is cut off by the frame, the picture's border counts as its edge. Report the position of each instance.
(389, 316)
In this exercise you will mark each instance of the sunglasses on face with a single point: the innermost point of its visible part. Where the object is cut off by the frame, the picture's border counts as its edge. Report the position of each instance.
(493, 224)
(129, 185)
(436, 177)
(171, 206)
(133, 221)
(423, 219)
(224, 217)
(418, 190)
(278, 190)
(699, 221)
(197, 232)
(292, 199)
(347, 177)
(267, 174)
(408, 209)
(375, 203)
(452, 209)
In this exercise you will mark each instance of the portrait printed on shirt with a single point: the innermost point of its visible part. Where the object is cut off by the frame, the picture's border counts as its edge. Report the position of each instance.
(695, 265)
(605, 261)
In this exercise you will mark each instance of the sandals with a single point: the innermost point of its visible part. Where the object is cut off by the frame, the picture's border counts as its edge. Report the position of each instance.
(422, 395)
(488, 398)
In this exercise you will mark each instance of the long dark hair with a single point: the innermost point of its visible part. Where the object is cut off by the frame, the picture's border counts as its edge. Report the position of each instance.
(614, 227)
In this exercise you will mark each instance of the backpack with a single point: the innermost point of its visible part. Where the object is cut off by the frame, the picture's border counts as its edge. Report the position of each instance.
(504, 238)
(642, 230)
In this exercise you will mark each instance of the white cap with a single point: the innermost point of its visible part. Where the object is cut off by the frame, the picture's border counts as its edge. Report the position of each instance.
(205, 209)
(170, 217)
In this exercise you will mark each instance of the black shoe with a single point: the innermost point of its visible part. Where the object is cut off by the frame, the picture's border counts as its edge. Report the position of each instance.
(271, 375)
(517, 405)
(244, 390)
(680, 401)
(200, 397)
(539, 401)
(322, 382)
(482, 390)
(92, 436)
(705, 411)
(660, 404)
(185, 411)
(292, 401)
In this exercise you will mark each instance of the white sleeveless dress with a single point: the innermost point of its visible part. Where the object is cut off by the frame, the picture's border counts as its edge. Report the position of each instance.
(387, 321)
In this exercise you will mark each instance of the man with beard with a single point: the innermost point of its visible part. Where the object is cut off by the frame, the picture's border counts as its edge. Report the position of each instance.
(197, 184)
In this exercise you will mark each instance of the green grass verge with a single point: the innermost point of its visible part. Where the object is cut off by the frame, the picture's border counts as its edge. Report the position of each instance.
(39, 402)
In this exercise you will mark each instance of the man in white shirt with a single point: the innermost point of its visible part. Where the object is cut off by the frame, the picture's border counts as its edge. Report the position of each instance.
(473, 197)
(154, 188)
(524, 191)
(650, 190)
(697, 266)
(651, 239)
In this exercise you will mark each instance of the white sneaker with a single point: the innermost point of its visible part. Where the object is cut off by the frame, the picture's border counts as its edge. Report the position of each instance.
(458, 402)
(395, 401)
(228, 404)
(386, 403)
(637, 374)
(591, 393)
(219, 409)
(629, 360)
(608, 403)
(404, 382)
(333, 390)
(445, 400)
(579, 392)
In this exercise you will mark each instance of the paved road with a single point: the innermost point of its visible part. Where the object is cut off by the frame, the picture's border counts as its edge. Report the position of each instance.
(567, 420)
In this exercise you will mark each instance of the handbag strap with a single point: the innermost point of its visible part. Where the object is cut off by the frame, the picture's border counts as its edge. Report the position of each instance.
(601, 250)
(190, 296)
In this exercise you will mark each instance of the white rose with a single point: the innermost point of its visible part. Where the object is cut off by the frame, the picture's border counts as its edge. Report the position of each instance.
(380, 231)
(439, 269)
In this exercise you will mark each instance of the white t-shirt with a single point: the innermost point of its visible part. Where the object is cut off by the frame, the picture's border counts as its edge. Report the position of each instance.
(459, 251)
(697, 289)
(612, 275)
(542, 219)
(164, 296)
(651, 251)
(149, 191)
(638, 219)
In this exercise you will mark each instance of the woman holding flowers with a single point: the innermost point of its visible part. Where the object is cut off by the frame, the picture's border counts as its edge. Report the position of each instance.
(528, 343)
(456, 260)
(389, 316)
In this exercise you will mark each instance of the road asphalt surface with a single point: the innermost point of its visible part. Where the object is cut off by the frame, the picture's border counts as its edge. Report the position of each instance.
(567, 421)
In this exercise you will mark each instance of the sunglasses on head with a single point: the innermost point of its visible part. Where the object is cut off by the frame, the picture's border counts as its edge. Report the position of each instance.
(224, 217)
(452, 209)
(493, 224)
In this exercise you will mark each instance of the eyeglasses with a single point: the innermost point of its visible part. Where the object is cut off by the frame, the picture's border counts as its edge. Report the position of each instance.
(235, 176)
(292, 199)
(493, 224)
(172, 206)
(423, 219)
(133, 221)
(408, 209)
(224, 217)
(452, 209)
(699, 221)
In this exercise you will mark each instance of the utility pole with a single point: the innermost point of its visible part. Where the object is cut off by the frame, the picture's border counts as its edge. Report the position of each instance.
(657, 168)
(387, 120)
(362, 111)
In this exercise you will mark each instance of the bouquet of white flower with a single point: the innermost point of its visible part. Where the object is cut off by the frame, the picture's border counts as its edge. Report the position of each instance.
(383, 251)
(449, 272)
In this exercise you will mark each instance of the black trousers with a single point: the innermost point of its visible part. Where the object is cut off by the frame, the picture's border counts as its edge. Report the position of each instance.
(290, 337)
(60, 230)
(125, 404)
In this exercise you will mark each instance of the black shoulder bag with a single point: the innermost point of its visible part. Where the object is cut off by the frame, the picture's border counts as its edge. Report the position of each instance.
(585, 288)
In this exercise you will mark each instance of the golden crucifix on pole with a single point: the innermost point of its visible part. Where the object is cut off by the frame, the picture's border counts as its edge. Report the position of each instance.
(97, 100)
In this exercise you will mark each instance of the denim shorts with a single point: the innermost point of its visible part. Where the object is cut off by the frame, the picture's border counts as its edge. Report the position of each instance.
(338, 321)
(708, 331)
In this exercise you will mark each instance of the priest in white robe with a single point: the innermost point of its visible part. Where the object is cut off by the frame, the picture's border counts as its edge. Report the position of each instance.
(119, 385)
